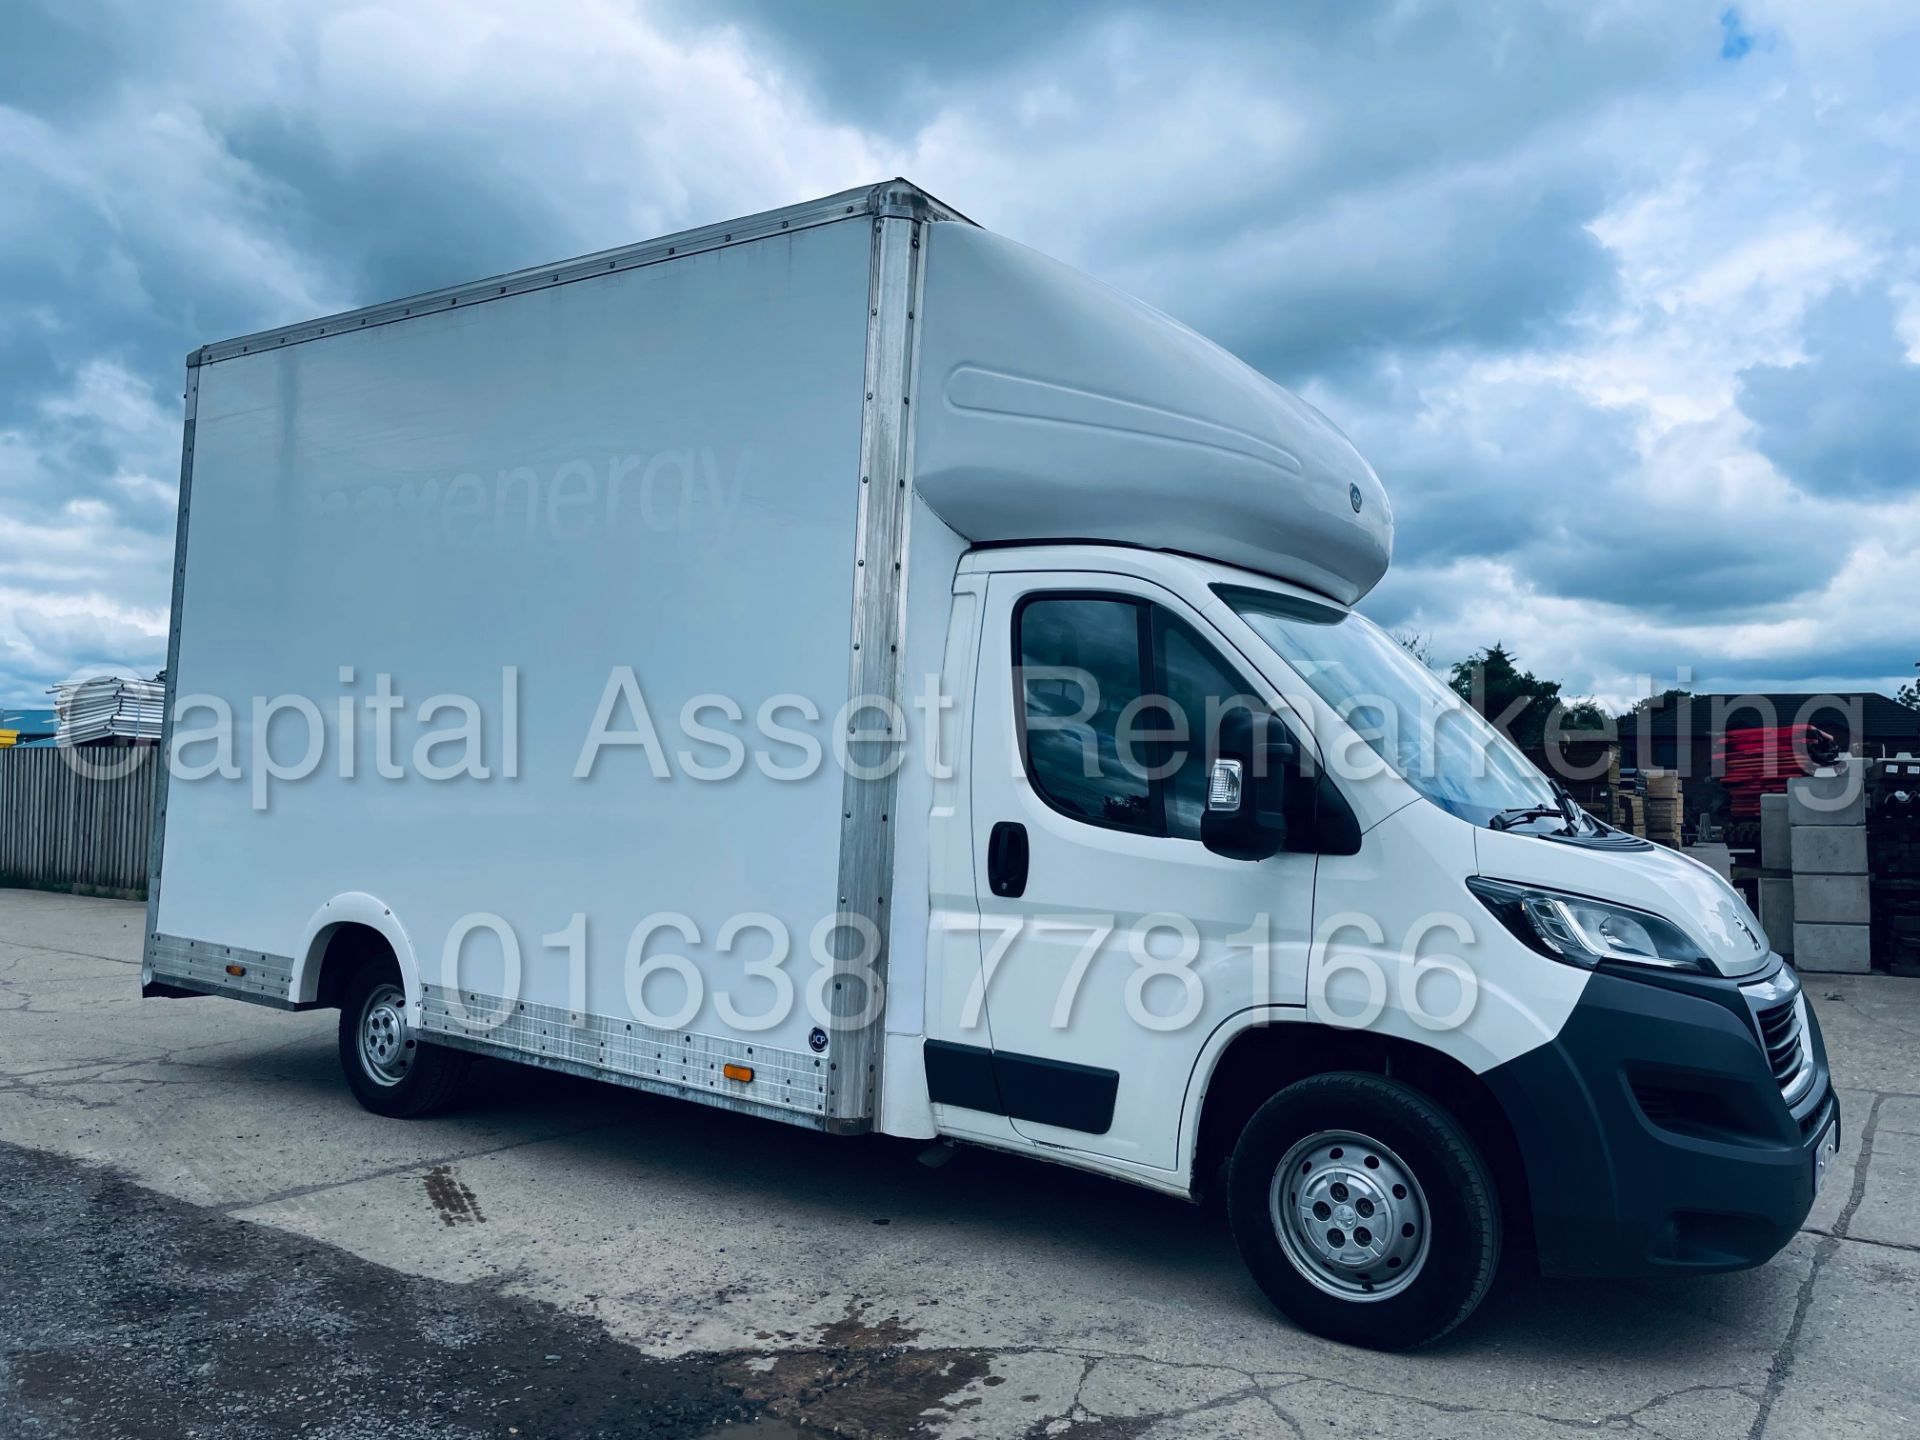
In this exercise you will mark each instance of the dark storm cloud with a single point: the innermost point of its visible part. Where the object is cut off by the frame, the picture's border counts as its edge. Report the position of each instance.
(1662, 566)
(1525, 252)
(405, 218)
(1352, 178)
(877, 61)
(61, 59)
(1483, 261)
(1531, 462)
(1846, 421)
(1882, 659)
(1536, 477)
(1387, 86)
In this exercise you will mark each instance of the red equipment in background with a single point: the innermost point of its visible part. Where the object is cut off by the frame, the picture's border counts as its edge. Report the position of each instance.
(1760, 761)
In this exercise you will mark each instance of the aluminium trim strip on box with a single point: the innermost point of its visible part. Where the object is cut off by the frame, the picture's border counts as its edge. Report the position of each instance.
(875, 658)
(787, 1085)
(160, 789)
(889, 199)
(202, 965)
(559, 1064)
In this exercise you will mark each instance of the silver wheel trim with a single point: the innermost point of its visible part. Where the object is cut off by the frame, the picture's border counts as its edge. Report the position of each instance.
(386, 1045)
(1341, 1223)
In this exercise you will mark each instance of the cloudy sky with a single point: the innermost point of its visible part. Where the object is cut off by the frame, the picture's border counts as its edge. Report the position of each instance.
(1621, 299)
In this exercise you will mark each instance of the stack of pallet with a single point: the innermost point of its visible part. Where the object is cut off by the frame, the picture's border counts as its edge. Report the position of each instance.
(1664, 807)
(1630, 812)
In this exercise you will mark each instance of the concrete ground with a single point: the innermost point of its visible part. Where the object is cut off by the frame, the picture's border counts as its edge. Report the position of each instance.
(202, 1234)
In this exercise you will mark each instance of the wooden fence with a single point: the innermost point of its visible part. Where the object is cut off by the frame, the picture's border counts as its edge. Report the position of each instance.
(77, 819)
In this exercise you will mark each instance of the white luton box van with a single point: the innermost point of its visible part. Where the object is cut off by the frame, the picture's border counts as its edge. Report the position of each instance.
(843, 666)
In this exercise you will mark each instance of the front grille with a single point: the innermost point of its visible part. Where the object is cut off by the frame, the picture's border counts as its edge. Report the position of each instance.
(1817, 1116)
(1656, 1103)
(1686, 1109)
(1783, 1033)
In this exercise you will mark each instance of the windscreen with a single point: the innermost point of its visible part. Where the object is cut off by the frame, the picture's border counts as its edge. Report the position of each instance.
(1403, 711)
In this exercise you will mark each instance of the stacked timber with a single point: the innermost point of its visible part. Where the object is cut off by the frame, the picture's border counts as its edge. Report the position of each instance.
(1664, 808)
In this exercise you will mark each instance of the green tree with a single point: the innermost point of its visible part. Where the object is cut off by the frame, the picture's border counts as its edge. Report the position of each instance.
(1517, 701)
(1584, 715)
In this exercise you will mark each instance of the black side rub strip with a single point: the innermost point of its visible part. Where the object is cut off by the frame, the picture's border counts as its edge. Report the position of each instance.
(962, 1075)
(1022, 1087)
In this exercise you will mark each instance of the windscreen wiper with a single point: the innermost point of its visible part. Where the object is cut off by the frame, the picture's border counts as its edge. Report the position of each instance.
(1520, 814)
(1569, 807)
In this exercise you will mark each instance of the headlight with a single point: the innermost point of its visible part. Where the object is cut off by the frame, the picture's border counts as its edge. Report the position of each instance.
(1584, 932)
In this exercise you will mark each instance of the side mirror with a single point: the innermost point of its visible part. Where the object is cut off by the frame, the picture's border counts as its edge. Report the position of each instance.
(1253, 765)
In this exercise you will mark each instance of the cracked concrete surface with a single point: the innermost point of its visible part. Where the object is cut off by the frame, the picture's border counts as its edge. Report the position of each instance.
(767, 1282)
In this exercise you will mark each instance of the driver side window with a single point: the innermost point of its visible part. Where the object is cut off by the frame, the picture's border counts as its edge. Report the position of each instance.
(1079, 674)
(1118, 701)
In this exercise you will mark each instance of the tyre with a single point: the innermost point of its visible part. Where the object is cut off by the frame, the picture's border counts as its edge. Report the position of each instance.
(390, 1070)
(1364, 1211)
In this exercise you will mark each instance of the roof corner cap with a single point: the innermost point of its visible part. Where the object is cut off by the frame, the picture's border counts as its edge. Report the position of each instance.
(901, 199)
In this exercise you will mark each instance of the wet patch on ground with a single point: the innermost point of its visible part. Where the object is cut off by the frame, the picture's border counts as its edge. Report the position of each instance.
(863, 1377)
(124, 1313)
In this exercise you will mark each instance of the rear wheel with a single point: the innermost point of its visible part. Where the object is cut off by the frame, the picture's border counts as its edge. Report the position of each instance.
(1364, 1211)
(390, 1070)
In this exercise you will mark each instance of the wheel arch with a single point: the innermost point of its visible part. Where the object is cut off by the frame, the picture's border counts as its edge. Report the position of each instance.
(1245, 1064)
(339, 937)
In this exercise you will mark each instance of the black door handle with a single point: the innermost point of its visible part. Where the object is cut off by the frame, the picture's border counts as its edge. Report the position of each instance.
(1007, 860)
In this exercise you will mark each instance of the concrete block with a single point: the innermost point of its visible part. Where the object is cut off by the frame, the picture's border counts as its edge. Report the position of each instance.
(1830, 900)
(1776, 912)
(1829, 849)
(1835, 796)
(1843, 949)
(1774, 830)
(1717, 858)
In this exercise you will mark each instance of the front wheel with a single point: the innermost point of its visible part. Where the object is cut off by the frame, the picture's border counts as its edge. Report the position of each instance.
(1364, 1211)
(390, 1070)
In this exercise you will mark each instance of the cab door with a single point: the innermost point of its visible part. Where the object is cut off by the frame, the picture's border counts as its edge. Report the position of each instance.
(1112, 941)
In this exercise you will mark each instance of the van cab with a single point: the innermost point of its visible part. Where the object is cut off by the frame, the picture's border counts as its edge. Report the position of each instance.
(1384, 978)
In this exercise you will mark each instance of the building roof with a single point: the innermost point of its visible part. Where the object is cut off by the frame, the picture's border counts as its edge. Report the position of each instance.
(26, 726)
(1881, 719)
